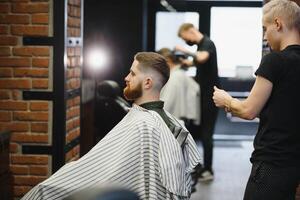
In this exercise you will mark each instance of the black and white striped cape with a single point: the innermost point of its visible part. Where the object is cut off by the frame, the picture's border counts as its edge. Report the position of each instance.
(140, 153)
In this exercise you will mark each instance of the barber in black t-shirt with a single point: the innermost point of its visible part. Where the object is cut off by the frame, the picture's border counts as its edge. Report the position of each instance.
(205, 59)
(275, 99)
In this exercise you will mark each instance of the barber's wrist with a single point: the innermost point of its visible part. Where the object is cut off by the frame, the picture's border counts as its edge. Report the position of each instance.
(191, 54)
(228, 104)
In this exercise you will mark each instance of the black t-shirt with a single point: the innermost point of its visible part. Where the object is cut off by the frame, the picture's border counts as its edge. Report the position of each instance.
(207, 73)
(278, 137)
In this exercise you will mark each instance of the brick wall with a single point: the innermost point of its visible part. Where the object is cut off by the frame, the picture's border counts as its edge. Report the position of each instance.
(30, 68)
(24, 68)
(73, 78)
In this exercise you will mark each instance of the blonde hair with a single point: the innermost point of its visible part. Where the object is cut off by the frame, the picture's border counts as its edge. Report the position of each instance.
(184, 27)
(288, 10)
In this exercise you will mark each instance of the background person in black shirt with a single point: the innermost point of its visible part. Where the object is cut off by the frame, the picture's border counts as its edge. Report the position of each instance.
(205, 59)
(275, 99)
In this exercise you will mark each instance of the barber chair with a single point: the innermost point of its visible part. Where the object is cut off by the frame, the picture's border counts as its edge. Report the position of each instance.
(110, 108)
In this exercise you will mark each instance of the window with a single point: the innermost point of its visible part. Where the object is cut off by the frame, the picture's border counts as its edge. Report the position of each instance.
(167, 25)
(237, 33)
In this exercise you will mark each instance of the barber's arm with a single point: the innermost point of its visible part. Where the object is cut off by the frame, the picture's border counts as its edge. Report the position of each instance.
(199, 56)
(251, 106)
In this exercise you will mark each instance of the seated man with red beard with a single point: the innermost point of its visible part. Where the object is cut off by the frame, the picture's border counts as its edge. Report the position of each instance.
(148, 152)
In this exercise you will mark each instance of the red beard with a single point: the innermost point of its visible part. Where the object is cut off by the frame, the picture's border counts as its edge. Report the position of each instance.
(133, 93)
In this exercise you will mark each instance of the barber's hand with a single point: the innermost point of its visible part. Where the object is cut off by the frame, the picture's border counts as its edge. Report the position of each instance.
(186, 62)
(180, 48)
(221, 98)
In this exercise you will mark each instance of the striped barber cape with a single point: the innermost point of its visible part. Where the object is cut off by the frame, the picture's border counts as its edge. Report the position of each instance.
(140, 153)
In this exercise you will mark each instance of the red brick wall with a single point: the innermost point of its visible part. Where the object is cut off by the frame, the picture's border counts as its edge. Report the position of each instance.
(73, 127)
(24, 68)
(73, 78)
(29, 68)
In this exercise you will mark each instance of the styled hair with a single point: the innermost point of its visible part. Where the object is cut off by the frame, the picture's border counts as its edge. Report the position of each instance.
(184, 27)
(288, 10)
(168, 54)
(154, 61)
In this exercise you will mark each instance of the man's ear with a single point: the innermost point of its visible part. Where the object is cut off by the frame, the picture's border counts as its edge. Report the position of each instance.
(148, 83)
(278, 24)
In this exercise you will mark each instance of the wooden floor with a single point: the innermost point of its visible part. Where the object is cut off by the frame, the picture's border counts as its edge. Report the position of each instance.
(231, 167)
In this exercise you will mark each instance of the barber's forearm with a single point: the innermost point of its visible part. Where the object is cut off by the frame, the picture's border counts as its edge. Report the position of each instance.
(240, 109)
(189, 53)
(201, 56)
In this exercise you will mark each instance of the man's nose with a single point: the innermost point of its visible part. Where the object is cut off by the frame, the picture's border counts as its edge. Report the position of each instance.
(126, 78)
(264, 37)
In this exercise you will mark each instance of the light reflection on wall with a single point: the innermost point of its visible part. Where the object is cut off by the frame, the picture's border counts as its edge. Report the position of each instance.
(97, 59)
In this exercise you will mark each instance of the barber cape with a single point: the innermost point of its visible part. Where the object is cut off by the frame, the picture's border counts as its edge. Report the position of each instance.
(140, 154)
(181, 95)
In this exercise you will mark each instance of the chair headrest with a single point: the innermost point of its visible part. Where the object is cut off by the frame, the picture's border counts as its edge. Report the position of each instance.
(108, 88)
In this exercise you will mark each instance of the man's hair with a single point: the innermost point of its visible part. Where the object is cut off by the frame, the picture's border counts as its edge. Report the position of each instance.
(168, 54)
(184, 27)
(288, 10)
(154, 61)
